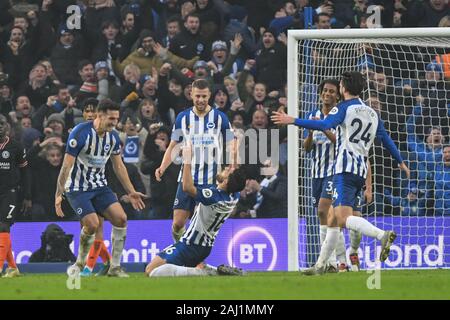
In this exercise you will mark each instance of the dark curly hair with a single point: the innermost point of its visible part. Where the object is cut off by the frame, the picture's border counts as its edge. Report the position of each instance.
(236, 180)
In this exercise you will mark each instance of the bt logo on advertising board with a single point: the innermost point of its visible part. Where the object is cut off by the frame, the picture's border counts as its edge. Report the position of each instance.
(252, 248)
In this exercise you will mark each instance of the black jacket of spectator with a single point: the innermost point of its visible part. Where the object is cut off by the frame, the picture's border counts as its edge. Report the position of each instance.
(39, 95)
(43, 181)
(187, 45)
(271, 66)
(65, 61)
(210, 23)
(274, 203)
(163, 192)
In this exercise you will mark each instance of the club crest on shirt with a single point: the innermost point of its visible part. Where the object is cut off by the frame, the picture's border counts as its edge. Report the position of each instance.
(5, 154)
(73, 143)
(207, 193)
(210, 125)
(107, 147)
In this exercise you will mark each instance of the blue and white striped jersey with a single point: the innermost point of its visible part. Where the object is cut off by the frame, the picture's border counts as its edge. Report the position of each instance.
(322, 152)
(207, 135)
(357, 126)
(91, 153)
(214, 207)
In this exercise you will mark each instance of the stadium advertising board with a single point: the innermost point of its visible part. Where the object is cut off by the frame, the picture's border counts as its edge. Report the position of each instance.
(261, 244)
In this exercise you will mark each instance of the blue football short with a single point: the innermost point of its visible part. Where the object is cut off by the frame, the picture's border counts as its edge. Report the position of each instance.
(182, 254)
(322, 188)
(347, 190)
(93, 201)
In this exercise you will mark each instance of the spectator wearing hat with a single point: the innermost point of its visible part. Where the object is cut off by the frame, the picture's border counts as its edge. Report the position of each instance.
(108, 85)
(271, 61)
(189, 43)
(55, 127)
(66, 55)
(224, 62)
(151, 54)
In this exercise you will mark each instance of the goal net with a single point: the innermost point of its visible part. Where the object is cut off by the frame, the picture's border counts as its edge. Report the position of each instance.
(408, 84)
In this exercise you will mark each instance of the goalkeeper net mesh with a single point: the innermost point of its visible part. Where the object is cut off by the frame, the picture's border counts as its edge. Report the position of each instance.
(408, 85)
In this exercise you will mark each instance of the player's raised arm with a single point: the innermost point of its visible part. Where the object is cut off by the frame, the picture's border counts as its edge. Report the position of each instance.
(67, 165)
(389, 144)
(188, 182)
(122, 175)
(335, 117)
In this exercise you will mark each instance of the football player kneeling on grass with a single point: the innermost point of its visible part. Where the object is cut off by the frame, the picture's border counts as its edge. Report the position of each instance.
(215, 205)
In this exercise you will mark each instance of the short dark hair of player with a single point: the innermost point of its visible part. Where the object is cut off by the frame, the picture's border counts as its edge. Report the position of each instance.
(91, 103)
(108, 104)
(236, 180)
(353, 82)
(200, 84)
(83, 63)
(331, 81)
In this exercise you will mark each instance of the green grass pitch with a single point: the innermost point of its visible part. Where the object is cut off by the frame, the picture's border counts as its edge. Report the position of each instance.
(405, 284)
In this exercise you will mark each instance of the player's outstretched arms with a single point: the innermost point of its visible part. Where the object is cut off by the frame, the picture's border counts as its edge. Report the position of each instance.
(67, 165)
(281, 118)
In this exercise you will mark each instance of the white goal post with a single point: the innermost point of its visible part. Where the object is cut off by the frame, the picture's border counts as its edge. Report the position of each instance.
(433, 37)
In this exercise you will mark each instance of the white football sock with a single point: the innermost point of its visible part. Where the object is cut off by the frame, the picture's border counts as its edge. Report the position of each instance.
(328, 246)
(171, 270)
(118, 236)
(355, 241)
(86, 241)
(340, 248)
(323, 233)
(365, 227)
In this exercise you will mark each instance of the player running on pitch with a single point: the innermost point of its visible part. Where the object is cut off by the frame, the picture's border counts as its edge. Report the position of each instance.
(356, 127)
(82, 178)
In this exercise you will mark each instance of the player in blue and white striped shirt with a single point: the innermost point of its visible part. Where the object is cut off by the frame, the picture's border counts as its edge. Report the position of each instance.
(321, 146)
(206, 128)
(82, 178)
(215, 205)
(357, 126)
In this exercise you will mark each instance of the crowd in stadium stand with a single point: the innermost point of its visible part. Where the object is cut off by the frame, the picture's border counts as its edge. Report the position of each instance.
(144, 54)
